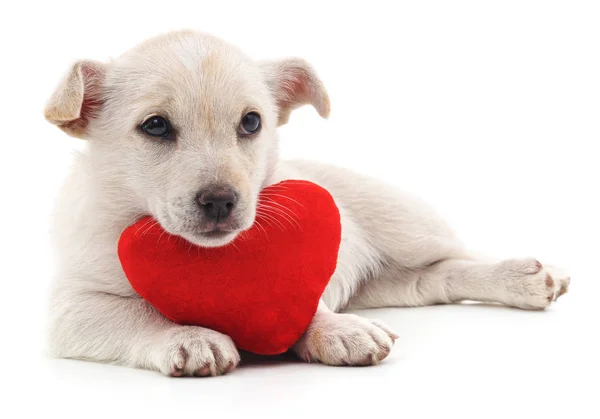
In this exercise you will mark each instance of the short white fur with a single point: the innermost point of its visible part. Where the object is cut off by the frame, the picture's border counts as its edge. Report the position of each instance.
(396, 251)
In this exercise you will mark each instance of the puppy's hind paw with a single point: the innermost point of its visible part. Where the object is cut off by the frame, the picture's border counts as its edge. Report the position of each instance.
(531, 285)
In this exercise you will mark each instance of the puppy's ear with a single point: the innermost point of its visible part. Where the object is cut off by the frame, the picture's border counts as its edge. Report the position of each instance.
(294, 83)
(77, 99)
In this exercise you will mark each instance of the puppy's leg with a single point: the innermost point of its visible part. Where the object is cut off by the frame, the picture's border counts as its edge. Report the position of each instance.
(128, 331)
(344, 339)
(378, 225)
(412, 256)
(522, 283)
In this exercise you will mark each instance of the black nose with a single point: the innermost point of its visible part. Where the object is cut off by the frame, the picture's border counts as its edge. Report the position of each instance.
(217, 203)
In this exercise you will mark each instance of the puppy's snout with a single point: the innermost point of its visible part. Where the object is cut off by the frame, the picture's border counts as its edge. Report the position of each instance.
(217, 203)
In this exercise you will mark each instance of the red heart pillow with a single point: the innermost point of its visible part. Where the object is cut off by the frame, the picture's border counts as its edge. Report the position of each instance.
(262, 289)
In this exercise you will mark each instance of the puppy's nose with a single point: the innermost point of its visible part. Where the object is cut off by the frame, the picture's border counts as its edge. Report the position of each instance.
(217, 203)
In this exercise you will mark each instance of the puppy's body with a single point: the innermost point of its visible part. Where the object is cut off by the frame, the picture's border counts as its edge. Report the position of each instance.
(395, 250)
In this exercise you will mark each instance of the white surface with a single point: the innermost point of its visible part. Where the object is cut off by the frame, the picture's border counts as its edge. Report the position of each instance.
(489, 111)
(465, 360)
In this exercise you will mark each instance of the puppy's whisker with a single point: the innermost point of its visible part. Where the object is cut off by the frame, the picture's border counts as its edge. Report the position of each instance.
(277, 207)
(265, 211)
(235, 246)
(269, 219)
(155, 223)
(159, 237)
(277, 212)
(271, 201)
(133, 220)
(149, 220)
(286, 210)
(257, 222)
(259, 225)
(264, 219)
(267, 216)
(283, 196)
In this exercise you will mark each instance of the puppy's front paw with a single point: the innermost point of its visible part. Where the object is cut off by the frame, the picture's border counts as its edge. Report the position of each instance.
(345, 339)
(192, 350)
(531, 285)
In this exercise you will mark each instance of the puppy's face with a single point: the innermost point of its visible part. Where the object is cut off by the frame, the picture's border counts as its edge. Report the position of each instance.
(187, 126)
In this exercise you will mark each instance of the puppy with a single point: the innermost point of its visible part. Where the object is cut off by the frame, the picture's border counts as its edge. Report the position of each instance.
(184, 128)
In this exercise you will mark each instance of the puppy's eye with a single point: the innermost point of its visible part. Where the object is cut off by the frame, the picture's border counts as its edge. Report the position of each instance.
(250, 124)
(157, 126)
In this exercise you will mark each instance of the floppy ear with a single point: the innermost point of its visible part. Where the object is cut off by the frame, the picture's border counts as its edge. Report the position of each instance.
(77, 99)
(294, 83)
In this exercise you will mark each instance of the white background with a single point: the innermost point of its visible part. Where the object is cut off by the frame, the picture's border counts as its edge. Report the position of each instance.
(489, 110)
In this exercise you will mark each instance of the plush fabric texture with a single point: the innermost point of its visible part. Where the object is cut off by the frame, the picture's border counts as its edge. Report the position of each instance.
(263, 289)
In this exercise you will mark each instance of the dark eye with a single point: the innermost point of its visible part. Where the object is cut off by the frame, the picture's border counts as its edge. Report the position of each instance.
(250, 124)
(157, 126)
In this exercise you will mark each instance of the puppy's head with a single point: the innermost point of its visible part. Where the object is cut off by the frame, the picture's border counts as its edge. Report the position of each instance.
(185, 125)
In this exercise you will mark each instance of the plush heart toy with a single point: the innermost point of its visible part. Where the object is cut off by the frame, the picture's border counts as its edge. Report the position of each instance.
(262, 289)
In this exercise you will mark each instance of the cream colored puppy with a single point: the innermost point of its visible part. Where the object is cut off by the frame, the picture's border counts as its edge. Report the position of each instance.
(184, 127)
